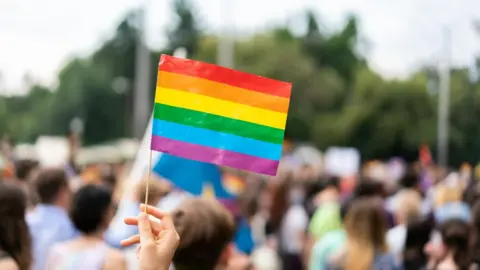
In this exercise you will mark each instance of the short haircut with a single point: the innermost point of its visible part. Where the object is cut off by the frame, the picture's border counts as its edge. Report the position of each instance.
(410, 179)
(409, 205)
(89, 207)
(368, 188)
(49, 183)
(24, 167)
(205, 228)
(157, 189)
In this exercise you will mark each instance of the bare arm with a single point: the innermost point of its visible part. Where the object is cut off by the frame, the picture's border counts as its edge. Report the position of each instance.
(8, 264)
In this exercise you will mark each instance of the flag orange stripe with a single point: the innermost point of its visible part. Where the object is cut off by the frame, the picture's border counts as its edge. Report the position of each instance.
(225, 76)
(222, 91)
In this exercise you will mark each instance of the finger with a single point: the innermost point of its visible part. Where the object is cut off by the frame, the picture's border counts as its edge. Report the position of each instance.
(145, 228)
(131, 221)
(168, 222)
(170, 239)
(131, 241)
(157, 226)
(152, 211)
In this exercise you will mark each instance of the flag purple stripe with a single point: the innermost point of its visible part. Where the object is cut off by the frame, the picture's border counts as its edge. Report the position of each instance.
(214, 155)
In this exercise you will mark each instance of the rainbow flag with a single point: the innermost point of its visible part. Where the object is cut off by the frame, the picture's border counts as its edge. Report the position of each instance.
(218, 115)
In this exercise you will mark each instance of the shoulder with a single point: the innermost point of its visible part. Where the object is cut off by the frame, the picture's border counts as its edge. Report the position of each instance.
(8, 264)
(57, 250)
(115, 260)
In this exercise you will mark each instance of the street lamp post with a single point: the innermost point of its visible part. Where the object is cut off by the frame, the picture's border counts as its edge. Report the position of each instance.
(141, 94)
(444, 101)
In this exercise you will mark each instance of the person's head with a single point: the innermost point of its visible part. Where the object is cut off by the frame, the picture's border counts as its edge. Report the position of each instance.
(92, 209)
(14, 234)
(369, 188)
(110, 180)
(408, 206)
(452, 242)
(418, 234)
(410, 180)
(25, 169)
(51, 186)
(330, 192)
(305, 173)
(366, 226)
(445, 194)
(206, 230)
(156, 191)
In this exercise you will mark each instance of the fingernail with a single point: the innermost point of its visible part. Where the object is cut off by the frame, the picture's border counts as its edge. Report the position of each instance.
(143, 216)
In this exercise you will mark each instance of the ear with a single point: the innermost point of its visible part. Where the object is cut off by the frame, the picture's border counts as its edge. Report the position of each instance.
(226, 254)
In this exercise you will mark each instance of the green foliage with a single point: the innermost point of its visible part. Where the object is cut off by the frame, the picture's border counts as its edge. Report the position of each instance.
(336, 98)
(186, 32)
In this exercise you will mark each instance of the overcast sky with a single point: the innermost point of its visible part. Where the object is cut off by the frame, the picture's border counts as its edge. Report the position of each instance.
(38, 37)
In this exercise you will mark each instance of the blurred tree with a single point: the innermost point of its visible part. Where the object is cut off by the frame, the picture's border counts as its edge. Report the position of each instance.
(336, 99)
(186, 32)
(336, 51)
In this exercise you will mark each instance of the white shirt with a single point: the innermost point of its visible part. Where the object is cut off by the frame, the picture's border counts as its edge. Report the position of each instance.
(396, 238)
(294, 223)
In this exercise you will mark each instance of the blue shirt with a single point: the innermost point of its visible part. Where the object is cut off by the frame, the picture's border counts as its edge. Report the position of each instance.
(48, 225)
(243, 237)
(454, 210)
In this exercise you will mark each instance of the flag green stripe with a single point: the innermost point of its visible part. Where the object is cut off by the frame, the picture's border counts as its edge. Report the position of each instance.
(218, 123)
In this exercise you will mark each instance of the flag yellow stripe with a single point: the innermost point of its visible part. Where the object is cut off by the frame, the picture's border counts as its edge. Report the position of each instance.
(220, 107)
(222, 91)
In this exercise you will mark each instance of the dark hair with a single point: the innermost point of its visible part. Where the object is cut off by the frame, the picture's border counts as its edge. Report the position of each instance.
(109, 180)
(369, 188)
(14, 234)
(49, 183)
(410, 180)
(472, 193)
(24, 167)
(418, 235)
(476, 230)
(456, 235)
(280, 202)
(333, 182)
(89, 207)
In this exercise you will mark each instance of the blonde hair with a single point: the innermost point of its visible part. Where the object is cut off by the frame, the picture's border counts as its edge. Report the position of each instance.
(447, 194)
(409, 205)
(366, 227)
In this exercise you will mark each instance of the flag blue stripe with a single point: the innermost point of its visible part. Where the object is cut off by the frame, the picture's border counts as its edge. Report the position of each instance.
(216, 139)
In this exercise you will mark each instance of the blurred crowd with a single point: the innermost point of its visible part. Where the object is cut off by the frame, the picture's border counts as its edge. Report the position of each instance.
(69, 218)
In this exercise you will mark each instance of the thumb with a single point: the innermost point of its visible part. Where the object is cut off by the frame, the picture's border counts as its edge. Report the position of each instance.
(146, 235)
